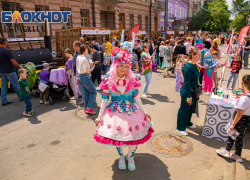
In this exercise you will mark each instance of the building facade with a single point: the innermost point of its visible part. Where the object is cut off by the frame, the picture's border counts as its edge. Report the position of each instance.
(177, 15)
(110, 14)
(194, 7)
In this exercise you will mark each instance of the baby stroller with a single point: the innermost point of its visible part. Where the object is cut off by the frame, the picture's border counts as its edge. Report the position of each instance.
(32, 77)
(57, 89)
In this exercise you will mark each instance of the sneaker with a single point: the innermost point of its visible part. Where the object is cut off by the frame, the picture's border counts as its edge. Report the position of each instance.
(6, 103)
(33, 112)
(89, 111)
(236, 157)
(46, 102)
(177, 90)
(73, 98)
(148, 93)
(131, 164)
(27, 113)
(98, 89)
(207, 93)
(80, 96)
(41, 101)
(192, 127)
(223, 152)
(122, 164)
(81, 103)
(184, 133)
(144, 95)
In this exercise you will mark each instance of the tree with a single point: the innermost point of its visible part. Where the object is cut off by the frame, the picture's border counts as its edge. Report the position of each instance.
(241, 7)
(212, 17)
(219, 21)
(238, 22)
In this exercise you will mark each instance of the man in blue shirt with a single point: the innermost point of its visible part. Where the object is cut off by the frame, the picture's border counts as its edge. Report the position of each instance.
(7, 72)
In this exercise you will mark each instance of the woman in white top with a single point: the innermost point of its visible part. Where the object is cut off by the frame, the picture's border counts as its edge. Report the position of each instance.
(161, 54)
(83, 70)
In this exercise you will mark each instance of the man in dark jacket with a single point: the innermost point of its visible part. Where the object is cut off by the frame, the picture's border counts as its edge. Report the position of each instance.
(150, 43)
(180, 48)
(206, 43)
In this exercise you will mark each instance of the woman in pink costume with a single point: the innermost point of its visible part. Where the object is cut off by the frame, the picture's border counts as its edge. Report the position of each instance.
(122, 120)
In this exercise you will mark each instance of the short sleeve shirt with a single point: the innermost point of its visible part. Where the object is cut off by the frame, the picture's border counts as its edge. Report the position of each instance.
(244, 104)
(5, 64)
(69, 65)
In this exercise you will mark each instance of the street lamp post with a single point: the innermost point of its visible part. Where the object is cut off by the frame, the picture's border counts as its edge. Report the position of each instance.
(166, 16)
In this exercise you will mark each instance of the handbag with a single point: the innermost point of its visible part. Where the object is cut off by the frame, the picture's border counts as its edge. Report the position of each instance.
(196, 92)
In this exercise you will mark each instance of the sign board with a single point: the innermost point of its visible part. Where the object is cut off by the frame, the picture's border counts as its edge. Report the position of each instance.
(95, 31)
(181, 32)
(194, 32)
(142, 32)
(15, 39)
(170, 32)
(35, 39)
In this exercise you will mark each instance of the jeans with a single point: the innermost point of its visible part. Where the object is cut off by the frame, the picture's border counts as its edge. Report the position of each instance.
(232, 75)
(246, 56)
(12, 78)
(106, 68)
(88, 89)
(157, 58)
(147, 82)
(28, 102)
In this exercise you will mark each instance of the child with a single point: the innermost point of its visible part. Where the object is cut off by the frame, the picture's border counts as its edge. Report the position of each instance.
(241, 122)
(43, 85)
(25, 92)
(179, 64)
(236, 66)
(215, 59)
(106, 57)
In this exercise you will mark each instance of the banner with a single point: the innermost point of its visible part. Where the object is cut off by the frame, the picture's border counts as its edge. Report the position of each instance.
(95, 31)
(142, 32)
(170, 32)
(181, 32)
(243, 33)
(135, 30)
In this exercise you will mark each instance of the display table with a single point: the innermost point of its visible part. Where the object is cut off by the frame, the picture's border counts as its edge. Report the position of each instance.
(219, 112)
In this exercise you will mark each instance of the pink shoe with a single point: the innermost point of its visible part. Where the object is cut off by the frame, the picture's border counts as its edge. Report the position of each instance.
(236, 157)
(89, 111)
(223, 152)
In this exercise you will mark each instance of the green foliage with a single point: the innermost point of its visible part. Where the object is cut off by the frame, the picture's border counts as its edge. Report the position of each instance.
(213, 22)
(241, 8)
(238, 22)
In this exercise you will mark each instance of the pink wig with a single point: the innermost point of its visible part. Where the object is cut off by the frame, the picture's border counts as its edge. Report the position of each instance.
(113, 72)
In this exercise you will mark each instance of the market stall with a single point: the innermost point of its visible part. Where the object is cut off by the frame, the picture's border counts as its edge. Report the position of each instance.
(220, 111)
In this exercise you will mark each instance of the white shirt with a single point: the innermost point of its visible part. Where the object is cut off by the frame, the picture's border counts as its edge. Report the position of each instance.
(82, 64)
(244, 104)
(161, 49)
(187, 45)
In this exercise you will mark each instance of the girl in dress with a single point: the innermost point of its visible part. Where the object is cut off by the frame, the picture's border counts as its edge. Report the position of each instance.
(179, 65)
(122, 121)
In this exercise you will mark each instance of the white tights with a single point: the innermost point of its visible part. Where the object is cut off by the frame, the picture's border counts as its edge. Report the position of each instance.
(131, 151)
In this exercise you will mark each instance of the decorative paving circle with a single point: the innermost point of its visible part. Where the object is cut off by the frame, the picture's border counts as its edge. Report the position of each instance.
(80, 114)
(171, 145)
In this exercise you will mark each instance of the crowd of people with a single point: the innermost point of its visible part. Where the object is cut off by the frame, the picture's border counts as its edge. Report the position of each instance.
(194, 61)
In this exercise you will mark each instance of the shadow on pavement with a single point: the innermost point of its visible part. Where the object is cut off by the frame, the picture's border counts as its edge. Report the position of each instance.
(146, 101)
(161, 98)
(203, 102)
(148, 166)
(33, 119)
(204, 140)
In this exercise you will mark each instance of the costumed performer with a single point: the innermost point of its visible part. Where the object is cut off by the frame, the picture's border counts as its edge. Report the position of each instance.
(206, 61)
(122, 121)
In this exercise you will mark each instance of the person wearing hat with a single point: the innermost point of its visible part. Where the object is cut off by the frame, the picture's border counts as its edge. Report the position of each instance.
(206, 61)
(43, 85)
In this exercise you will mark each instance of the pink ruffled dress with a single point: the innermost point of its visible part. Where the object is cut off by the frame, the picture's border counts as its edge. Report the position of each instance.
(122, 122)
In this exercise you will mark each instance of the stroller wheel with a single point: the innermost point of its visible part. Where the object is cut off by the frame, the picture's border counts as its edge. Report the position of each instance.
(67, 97)
(50, 101)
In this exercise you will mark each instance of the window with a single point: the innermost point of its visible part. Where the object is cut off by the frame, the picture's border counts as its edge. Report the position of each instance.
(175, 12)
(170, 10)
(146, 23)
(162, 28)
(14, 30)
(139, 21)
(68, 24)
(84, 17)
(170, 28)
(131, 21)
(41, 26)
